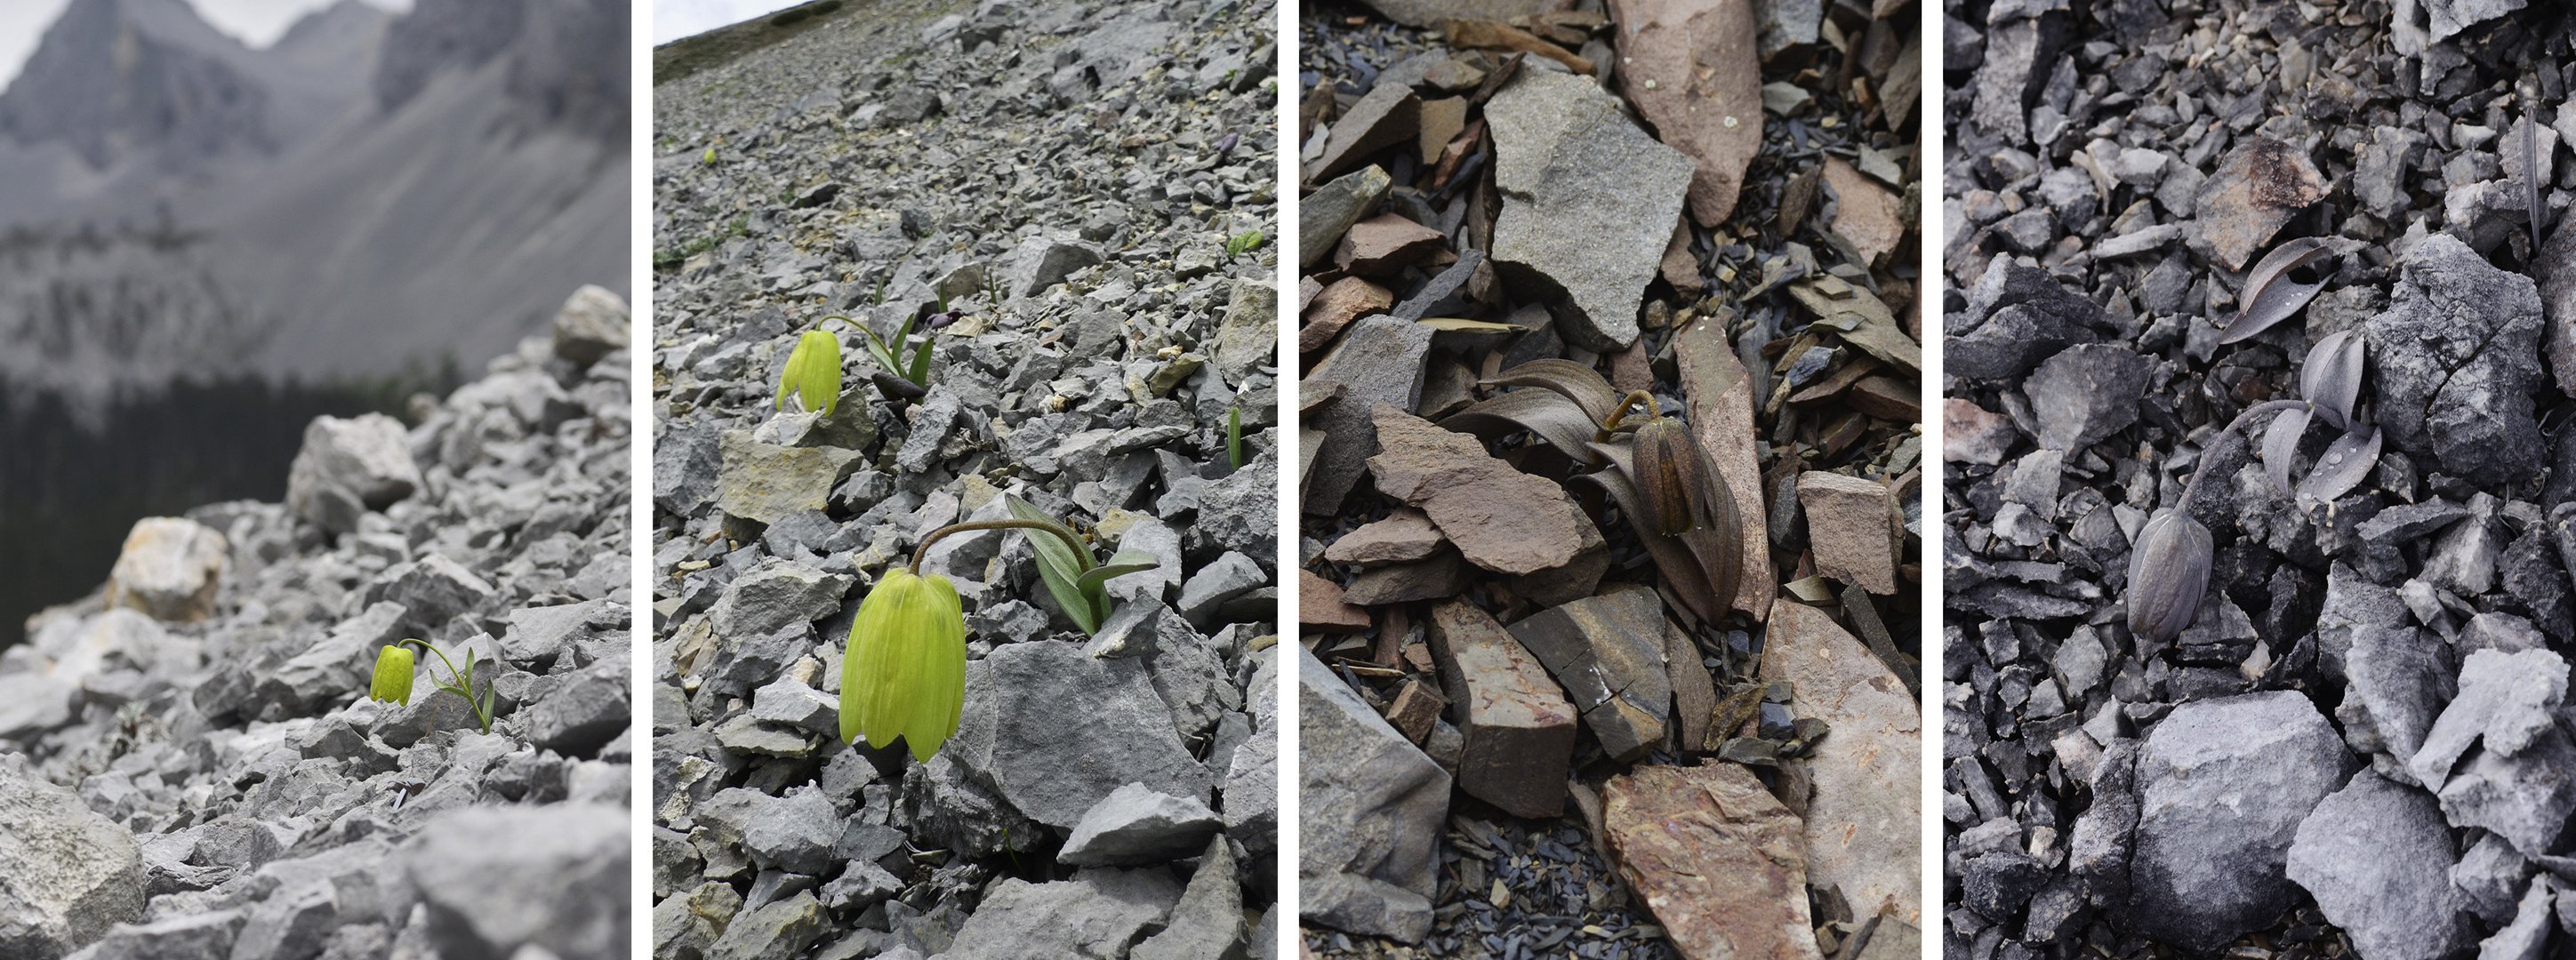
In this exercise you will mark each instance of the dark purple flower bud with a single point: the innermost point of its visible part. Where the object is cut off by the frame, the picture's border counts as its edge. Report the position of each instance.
(2168, 573)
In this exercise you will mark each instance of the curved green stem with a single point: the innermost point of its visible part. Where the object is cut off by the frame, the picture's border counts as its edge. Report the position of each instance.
(1080, 553)
(1635, 398)
(459, 682)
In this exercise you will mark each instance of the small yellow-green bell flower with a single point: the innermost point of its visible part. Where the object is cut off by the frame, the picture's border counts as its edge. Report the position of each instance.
(393, 675)
(904, 671)
(813, 373)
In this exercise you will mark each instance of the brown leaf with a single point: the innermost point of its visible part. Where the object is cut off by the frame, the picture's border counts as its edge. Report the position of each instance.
(1488, 35)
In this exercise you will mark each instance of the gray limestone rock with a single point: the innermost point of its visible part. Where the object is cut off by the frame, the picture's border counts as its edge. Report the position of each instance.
(2222, 786)
(2455, 360)
(1362, 866)
(1587, 203)
(1135, 825)
(2377, 857)
(67, 874)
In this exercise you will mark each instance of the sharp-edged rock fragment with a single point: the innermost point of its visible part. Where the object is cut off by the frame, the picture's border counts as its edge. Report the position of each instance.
(1863, 822)
(2498, 757)
(1431, 13)
(1519, 727)
(1588, 202)
(2086, 393)
(2222, 786)
(1368, 849)
(2377, 857)
(1720, 394)
(349, 467)
(1714, 856)
(1379, 361)
(169, 568)
(2455, 360)
(1322, 216)
(1404, 535)
(67, 873)
(1385, 116)
(1851, 529)
(1608, 654)
(1691, 69)
(1501, 519)
(2257, 188)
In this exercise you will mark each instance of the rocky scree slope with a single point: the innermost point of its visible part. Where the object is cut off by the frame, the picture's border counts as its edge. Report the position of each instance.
(1547, 741)
(1065, 179)
(189, 764)
(2361, 743)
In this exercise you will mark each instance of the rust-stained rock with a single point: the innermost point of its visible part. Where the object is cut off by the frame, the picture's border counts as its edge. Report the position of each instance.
(1864, 832)
(2257, 188)
(1382, 118)
(1693, 71)
(1574, 579)
(1440, 122)
(1608, 654)
(1519, 728)
(1404, 535)
(1439, 577)
(1865, 213)
(1715, 857)
(1720, 393)
(1383, 245)
(1320, 604)
(1415, 709)
(1851, 529)
(1970, 434)
(1501, 519)
(1335, 306)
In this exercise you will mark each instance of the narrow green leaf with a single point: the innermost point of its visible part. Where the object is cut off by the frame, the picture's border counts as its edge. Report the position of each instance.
(1126, 562)
(920, 372)
(1059, 567)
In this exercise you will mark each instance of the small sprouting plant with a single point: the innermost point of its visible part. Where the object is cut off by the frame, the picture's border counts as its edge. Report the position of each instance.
(813, 374)
(1079, 586)
(1242, 243)
(2169, 565)
(393, 679)
(903, 672)
(889, 353)
(1234, 438)
(878, 298)
(708, 158)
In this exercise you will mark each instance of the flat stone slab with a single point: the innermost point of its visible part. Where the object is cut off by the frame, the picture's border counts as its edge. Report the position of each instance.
(1692, 70)
(1720, 394)
(1588, 203)
(1864, 827)
(1501, 519)
(1608, 654)
(1519, 726)
(1715, 857)
(2222, 786)
(1851, 529)
(1370, 841)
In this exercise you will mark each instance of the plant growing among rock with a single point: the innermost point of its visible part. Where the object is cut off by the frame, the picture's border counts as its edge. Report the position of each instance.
(393, 679)
(903, 672)
(813, 374)
(1243, 243)
(2170, 562)
(1234, 438)
(889, 352)
(1662, 480)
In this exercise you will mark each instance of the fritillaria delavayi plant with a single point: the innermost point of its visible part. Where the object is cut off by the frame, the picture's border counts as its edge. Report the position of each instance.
(903, 672)
(393, 679)
(2169, 565)
(813, 374)
(1663, 481)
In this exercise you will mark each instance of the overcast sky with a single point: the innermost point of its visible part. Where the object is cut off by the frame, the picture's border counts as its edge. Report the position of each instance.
(673, 19)
(257, 22)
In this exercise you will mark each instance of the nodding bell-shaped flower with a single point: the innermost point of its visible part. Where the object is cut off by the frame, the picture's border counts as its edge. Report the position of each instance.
(1673, 475)
(813, 373)
(2168, 573)
(904, 671)
(392, 683)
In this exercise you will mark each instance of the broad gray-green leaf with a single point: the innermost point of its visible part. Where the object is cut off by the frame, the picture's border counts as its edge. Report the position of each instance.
(2281, 445)
(1058, 566)
(1591, 394)
(1125, 562)
(2346, 462)
(2331, 376)
(1552, 417)
(2271, 295)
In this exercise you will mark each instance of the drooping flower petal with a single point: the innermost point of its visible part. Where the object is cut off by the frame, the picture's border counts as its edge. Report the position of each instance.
(904, 671)
(813, 373)
(2168, 573)
(392, 682)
